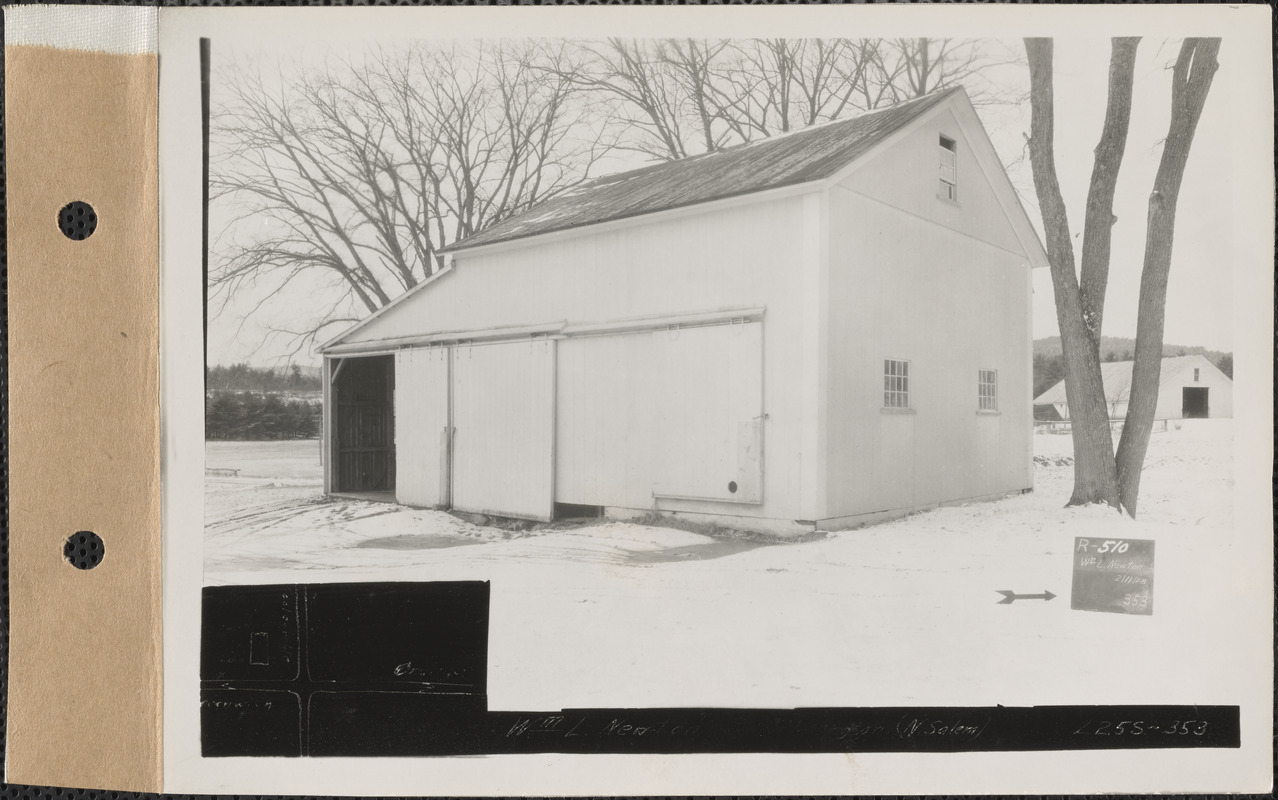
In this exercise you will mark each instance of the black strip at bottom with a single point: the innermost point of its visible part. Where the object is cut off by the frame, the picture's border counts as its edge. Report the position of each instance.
(803, 730)
(403, 725)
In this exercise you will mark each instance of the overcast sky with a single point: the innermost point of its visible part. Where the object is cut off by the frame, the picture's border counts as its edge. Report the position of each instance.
(1199, 296)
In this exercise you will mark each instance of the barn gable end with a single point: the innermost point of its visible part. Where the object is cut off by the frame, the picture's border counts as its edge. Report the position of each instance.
(929, 286)
(905, 172)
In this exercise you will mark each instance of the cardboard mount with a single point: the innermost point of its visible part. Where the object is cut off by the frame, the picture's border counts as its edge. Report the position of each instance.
(84, 453)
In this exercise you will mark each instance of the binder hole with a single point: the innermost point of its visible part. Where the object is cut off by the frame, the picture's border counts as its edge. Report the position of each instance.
(732, 487)
(77, 221)
(84, 550)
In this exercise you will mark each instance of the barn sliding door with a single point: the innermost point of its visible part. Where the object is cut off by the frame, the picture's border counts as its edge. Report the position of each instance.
(503, 416)
(421, 427)
(672, 414)
(708, 413)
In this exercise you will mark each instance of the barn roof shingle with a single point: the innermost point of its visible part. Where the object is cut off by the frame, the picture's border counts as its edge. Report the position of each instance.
(805, 155)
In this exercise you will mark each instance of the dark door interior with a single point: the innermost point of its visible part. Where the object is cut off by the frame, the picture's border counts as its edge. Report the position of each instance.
(364, 439)
(1194, 405)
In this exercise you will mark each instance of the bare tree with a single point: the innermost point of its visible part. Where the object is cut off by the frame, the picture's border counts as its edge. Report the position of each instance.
(651, 90)
(357, 174)
(910, 68)
(1099, 475)
(769, 86)
(672, 98)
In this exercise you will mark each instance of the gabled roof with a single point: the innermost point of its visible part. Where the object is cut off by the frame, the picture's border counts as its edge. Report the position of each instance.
(806, 155)
(1116, 376)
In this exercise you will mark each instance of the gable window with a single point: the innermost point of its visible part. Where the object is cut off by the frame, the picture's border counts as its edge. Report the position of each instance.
(896, 384)
(987, 389)
(948, 150)
(1195, 374)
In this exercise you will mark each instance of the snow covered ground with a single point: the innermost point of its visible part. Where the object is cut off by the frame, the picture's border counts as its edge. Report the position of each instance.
(618, 614)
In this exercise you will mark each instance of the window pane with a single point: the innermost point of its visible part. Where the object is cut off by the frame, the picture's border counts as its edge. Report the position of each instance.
(987, 390)
(896, 384)
(948, 165)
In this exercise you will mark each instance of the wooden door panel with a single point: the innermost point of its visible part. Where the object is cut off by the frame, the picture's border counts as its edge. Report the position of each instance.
(708, 400)
(503, 419)
(421, 424)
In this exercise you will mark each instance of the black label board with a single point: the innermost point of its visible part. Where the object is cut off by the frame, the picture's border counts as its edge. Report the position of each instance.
(281, 666)
(1114, 575)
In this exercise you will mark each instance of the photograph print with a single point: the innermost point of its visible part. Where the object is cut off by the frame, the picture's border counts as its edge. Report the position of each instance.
(687, 395)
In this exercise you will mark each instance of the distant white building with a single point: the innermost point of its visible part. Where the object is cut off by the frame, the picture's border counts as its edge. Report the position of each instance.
(815, 330)
(1189, 387)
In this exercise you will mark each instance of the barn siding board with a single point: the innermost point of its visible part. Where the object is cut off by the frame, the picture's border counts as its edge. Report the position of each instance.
(743, 257)
(421, 422)
(813, 367)
(730, 258)
(503, 413)
(950, 304)
(326, 425)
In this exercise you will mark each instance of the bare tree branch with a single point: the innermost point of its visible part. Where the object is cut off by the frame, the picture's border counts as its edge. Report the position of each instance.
(362, 170)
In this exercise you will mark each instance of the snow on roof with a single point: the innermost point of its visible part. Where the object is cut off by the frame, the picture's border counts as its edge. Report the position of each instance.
(1117, 379)
(808, 154)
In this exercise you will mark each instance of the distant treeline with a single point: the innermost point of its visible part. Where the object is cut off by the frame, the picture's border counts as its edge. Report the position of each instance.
(1049, 362)
(1116, 348)
(254, 416)
(246, 378)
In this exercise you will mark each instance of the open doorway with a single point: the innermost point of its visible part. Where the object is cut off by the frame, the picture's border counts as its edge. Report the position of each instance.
(363, 420)
(1194, 402)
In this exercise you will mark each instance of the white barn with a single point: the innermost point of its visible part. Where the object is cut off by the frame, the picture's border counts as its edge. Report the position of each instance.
(814, 331)
(1188, 387)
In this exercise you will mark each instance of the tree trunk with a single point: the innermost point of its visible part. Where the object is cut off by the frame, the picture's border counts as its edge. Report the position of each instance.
(1191, 80)
(1097, 228)
(1095, 473)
